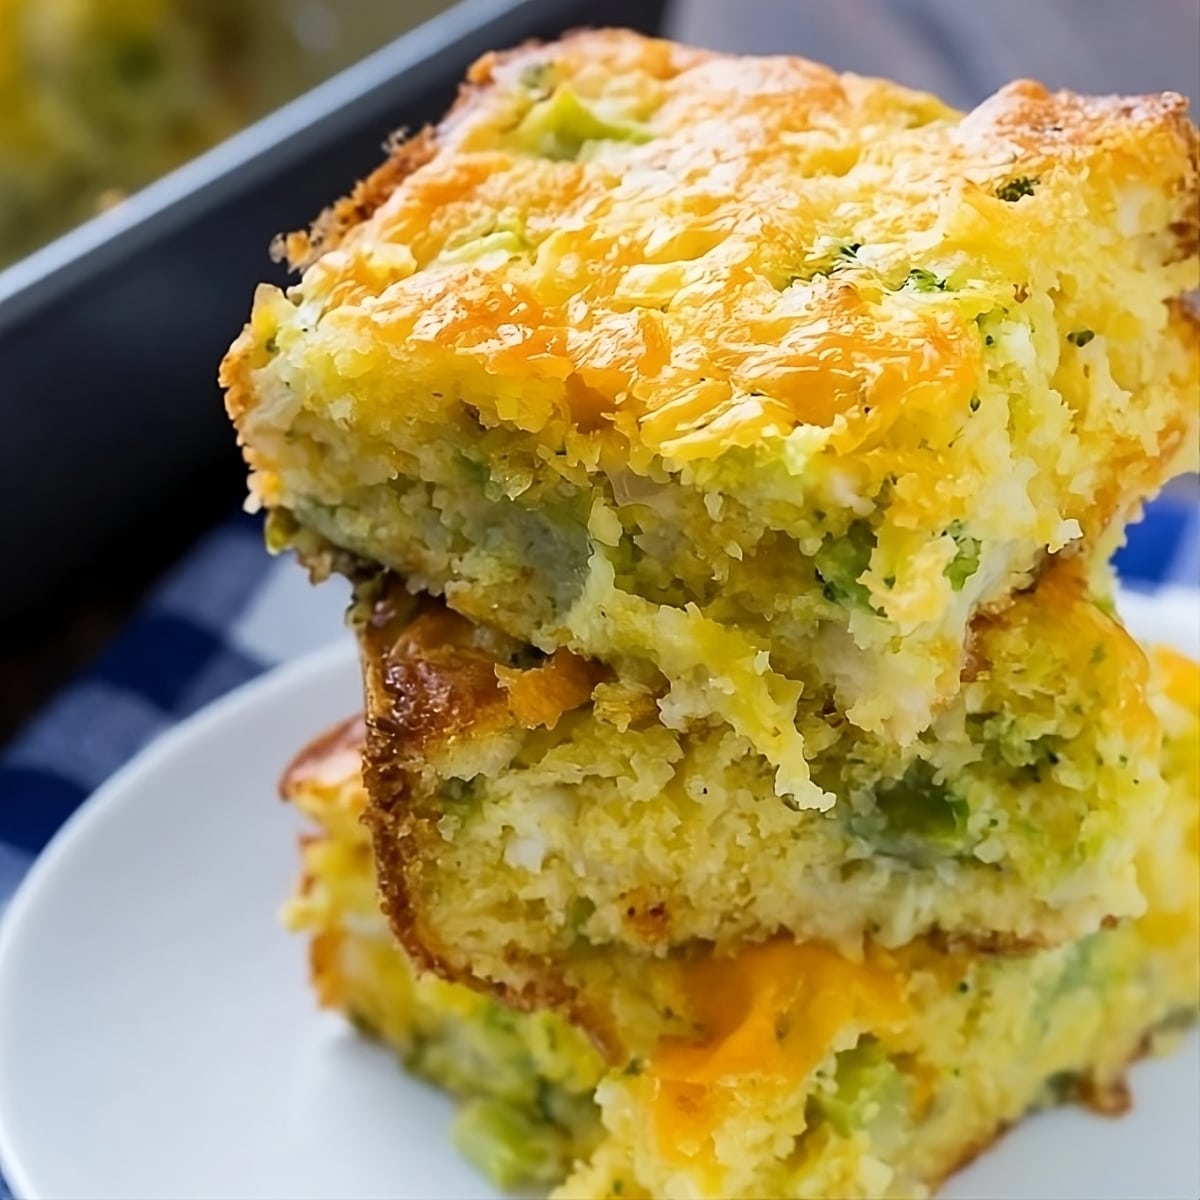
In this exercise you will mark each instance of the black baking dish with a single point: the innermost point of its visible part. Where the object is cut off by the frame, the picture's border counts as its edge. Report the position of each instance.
(113, 436)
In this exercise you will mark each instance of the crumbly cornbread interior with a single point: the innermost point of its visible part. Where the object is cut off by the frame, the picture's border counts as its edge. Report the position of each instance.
(784, 1068)
(530, 813)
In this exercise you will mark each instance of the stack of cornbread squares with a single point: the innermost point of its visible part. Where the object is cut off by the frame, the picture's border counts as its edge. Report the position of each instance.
(761, 796)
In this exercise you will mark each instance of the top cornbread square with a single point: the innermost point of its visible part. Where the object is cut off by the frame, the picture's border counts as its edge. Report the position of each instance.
(763, 378)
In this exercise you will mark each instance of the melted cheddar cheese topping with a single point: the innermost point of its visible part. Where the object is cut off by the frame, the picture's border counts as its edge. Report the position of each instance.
(699, 252)
(771, 1014)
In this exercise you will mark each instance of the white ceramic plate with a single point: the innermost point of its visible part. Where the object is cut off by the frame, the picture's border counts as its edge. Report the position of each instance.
(158, 1038)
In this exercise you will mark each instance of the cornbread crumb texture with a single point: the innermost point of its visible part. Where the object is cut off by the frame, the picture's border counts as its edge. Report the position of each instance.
(784, 1069)
(662, 355)
(516, 843)
(524, 1080)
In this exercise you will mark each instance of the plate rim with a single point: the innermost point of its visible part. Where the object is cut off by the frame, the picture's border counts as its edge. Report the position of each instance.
(300, 672)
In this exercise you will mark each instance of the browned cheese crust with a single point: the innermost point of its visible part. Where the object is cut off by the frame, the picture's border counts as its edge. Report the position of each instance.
(430, 685)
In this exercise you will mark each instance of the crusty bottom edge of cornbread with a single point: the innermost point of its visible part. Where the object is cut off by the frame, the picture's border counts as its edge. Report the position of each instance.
(887, 1104)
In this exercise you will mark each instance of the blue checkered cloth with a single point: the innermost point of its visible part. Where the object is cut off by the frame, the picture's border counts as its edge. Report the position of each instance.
(228, 612)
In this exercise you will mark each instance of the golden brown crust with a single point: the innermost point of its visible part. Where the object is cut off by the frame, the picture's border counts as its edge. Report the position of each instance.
(311, 762)
(424, 683)
(618, 50)
(1033, 120)
(433, 676)
(1112, 1098)
(395, 830)
(1040, 128)
(303, 247)
(428, 683)
(405, 155)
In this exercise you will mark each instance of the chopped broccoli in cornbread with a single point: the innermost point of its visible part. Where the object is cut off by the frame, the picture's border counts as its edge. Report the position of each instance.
(526, 818)
(766, 376)
(780, 1068)
(727, 453)
(525, 1079)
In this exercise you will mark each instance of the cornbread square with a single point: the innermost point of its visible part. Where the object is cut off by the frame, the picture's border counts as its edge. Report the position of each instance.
(773, 378)
(812, 1075)
(524, 1080)
(531, 813)
(792, 1071)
